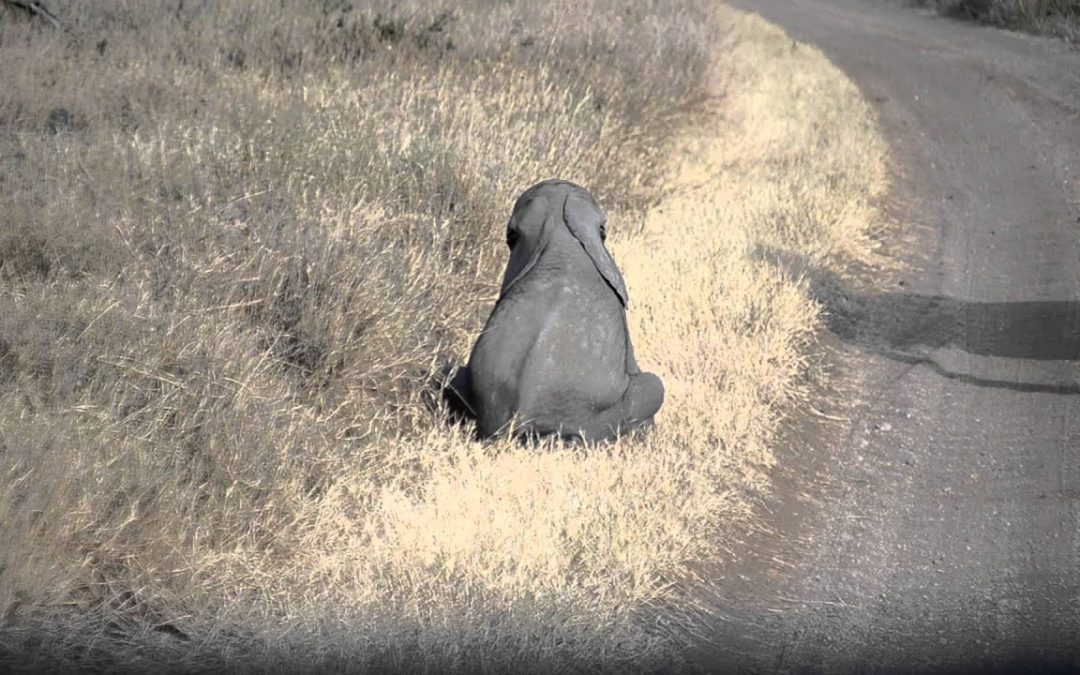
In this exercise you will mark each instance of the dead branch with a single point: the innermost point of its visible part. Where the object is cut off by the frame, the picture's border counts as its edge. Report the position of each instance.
(33, 8)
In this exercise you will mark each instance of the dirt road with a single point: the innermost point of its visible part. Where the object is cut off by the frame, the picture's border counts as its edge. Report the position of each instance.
(947, 534)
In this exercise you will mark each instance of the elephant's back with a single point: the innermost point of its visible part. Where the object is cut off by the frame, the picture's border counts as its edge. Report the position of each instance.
(502, 354)
(577, 362)
(554, 352)
(496, 363)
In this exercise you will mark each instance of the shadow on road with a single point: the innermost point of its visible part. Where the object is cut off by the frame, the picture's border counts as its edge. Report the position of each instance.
(906, 327)
(909, 328)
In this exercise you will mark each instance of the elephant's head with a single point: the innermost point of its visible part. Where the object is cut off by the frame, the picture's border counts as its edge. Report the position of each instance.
(538, 212)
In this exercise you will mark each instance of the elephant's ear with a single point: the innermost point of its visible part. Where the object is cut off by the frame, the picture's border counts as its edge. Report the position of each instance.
(585, 221)
(518, 275)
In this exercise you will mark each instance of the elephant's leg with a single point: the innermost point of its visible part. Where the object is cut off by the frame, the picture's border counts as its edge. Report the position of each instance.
(636, 408)
(458, 393)
(643, 399)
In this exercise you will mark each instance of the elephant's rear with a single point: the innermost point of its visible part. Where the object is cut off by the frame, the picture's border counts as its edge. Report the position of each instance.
(572, 378)
(570, 414)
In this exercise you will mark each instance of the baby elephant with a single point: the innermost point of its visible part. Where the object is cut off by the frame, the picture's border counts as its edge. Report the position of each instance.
(555, 353)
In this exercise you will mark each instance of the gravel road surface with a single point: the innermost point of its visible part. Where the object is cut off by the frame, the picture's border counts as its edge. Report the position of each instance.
(937, 528)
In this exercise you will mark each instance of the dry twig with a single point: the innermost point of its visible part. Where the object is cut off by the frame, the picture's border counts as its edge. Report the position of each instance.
(34, 9)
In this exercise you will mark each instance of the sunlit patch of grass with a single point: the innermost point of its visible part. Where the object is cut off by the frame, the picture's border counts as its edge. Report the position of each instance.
(230, 267)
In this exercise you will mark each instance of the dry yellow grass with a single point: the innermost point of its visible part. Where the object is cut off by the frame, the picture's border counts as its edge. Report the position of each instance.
(213, 452)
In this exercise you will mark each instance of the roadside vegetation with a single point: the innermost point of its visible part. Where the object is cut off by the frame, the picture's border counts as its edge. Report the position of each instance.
(1060, 18)
(237, 239)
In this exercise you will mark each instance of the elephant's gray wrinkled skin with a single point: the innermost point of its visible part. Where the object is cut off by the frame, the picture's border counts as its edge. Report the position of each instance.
(555, 355)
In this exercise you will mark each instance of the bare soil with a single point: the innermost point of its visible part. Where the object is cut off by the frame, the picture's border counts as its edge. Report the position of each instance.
(935, 526)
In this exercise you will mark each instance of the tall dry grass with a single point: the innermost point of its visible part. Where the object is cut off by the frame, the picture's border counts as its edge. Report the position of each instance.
(236, 240)
(1059, 18)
